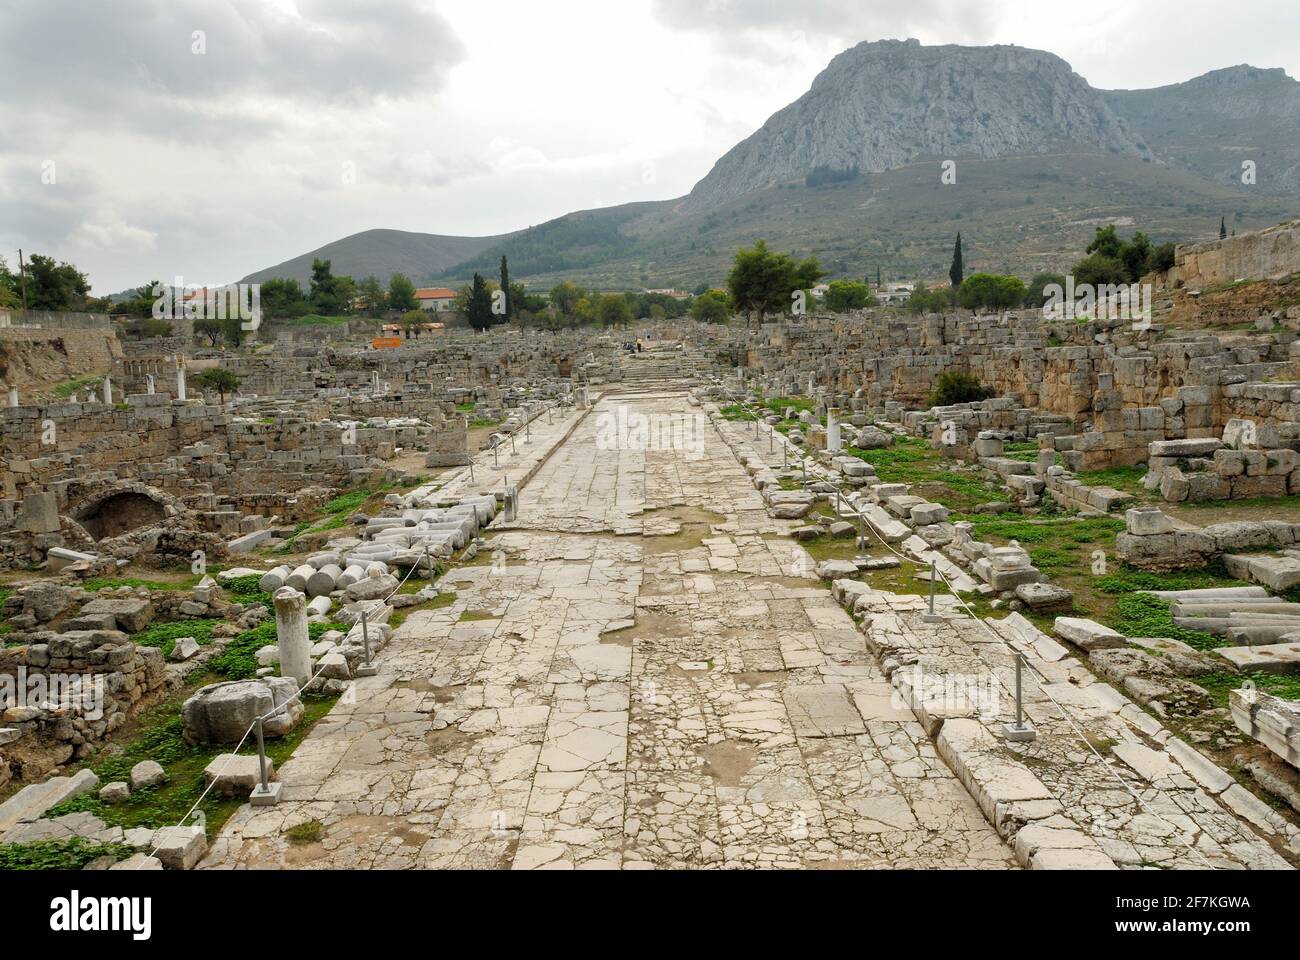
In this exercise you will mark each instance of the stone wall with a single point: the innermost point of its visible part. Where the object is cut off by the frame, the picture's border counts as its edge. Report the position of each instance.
(1265, 253)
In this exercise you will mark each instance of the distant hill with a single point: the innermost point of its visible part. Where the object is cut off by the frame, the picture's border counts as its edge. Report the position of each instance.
(1209, 125)
(421, 256)
(1043, 159)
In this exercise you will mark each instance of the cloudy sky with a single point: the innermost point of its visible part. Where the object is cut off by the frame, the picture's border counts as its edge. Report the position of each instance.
(149, 139)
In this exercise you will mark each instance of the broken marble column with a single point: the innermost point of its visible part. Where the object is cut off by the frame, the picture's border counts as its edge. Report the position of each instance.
(833, 443)
(13, 396)
(108, 391)
(180, 383)
(150, 385)
(291, 635)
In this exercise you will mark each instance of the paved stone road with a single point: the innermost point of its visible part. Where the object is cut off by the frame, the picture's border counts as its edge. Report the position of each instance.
(641, 673)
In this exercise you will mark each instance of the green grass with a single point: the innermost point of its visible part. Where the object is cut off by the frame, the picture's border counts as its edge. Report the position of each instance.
(1144, 615)
(66, 389)
(1079, 531)
(1219, 685)
(737, 414)
(465, 407)
(158, 738)
(116, 583)
(1125, 479)
(315, 320)
(164, 635)
(239, 660)
(247, 590)
(70, 853)
(309, 831)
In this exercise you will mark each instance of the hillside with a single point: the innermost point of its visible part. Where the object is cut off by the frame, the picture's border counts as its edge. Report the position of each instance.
(1043, 158)
(1016, 214)
(382, 253)
(880, 105)
(1209, 125)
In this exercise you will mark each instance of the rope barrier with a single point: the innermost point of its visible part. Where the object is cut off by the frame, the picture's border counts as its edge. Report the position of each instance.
(1041, 678)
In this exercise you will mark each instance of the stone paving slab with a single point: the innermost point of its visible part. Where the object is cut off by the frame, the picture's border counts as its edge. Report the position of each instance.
(661, 684)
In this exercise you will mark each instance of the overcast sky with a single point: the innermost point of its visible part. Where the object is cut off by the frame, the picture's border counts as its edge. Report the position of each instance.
(140, 150)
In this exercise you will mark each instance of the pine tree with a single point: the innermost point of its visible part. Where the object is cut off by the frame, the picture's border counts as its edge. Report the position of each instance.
(957, 272)
(1223, 227)
(479, 312)
(505, 291)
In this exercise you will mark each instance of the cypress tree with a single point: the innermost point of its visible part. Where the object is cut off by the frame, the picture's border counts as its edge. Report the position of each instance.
(1223, 227)
(957, 272)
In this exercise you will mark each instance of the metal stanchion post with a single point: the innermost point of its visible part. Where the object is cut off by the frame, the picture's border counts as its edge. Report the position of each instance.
(496, 454)
(367, 669)
(1022, 731)
(513, 450)
(528, 430)
(265, 794)
(931, 616)
(428, 563)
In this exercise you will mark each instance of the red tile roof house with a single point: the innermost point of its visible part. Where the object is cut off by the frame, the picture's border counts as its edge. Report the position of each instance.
(436, 299)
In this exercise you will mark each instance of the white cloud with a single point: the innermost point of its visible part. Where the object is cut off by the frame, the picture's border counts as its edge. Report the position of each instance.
(458, 116)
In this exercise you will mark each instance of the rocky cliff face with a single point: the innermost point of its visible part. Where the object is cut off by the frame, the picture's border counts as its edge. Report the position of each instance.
(1210, 124)
(880, 105)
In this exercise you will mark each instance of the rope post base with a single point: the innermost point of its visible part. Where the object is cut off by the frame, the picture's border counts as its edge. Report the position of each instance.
(1022, 731)
(366, 668)
(930, 616)
(265, 794)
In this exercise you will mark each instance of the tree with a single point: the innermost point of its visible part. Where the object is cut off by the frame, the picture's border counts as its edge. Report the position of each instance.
(140, 304)
(232, 329)
(1136, 256)
(1113, 260)
(957, 272)
(845, 295)
(10, 297)
(957, 386)
(210, 328)
(283, 298)
(507, 292)
(764, 282)
(55, 286)
(479, 309)
(1035, 295)
(330, 295)
(219, 379)
(372, 294)
(401, 293)
(1099, 269)
(1106, 242)
(990, 291)
(565, 296)
(612, 310)
(711, 306)
(1223, 227)
(138, 328)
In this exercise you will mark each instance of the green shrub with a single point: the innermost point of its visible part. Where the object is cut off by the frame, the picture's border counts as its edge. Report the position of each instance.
(69, 853)
(957, 386)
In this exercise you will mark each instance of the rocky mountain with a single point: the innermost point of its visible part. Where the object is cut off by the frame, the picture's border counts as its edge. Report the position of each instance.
(1211, 124)
(880, 105)
(1048, 158)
